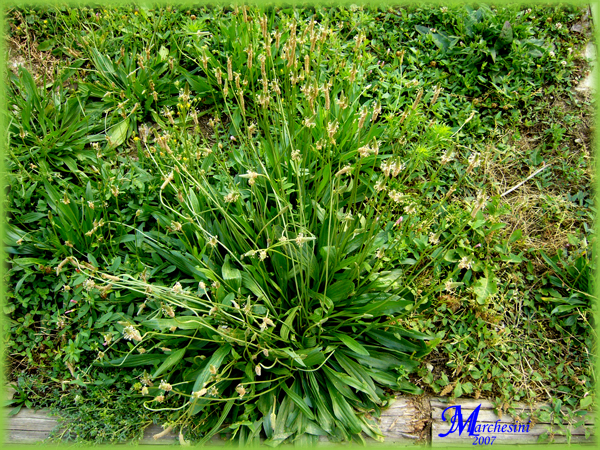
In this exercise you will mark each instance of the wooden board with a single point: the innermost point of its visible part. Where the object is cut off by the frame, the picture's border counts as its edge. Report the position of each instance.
(489, 420)
(409, 420)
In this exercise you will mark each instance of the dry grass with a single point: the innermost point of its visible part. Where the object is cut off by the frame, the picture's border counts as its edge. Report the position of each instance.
(22, 51)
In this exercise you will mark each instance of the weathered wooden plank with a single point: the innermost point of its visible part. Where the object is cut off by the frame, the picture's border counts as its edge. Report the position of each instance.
(467, 403)
(26, 413)
(405, 419)
(29, 419)
(32, 424)
(536, 429)
(402, 423)
(486, 415)
(24, 436)
(523, 440)
(148, 439)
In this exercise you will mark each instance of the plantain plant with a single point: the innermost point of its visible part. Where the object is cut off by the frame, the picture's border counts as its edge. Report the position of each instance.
(308, 224)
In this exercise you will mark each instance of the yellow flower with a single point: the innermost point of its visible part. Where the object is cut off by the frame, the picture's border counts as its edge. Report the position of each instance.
(136, 138)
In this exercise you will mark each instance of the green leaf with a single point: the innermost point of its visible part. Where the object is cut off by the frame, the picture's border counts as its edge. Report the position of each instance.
(46, 45)
(422, 30)
(484, 288)
(343, 411)
(173, 359)
(133, 361)
(32, 217)
(300, 403)
(163, 52)
(15, 410)
(118, 133)
(292, 354)
(231, 275)
(586, 401)
(515, 236)
(512, 258)
(215, 360)
(389, 340)
(217, 426)
(288, 323)
(506, 36)
(458, 389)
(340, 290)
(352, 344)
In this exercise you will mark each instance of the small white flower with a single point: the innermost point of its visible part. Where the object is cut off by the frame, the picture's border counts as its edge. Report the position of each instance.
(168, 310)
(266, 323)
(410, 209)
(296, 156)
(309, 123)
(131, 334)
(262, 255)
(240, 390)
(564, 63)
(552, 54)
(464, 263)
(558, 26)
(474, 161)
(258, 370)
(364, 151)
(213, 241)
(177, 289)
(232, 197)
(379, 185)
(165, 386)
(447, 157)
(396, 196)
(252, 176)
(89, 284)
(344, 170)
(200, 393)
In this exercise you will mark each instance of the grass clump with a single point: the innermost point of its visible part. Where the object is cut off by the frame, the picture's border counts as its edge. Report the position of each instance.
(290, 324)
